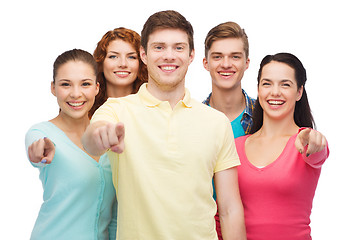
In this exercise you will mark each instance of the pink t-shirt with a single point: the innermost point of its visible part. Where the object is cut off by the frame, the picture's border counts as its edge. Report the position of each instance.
(278, 198)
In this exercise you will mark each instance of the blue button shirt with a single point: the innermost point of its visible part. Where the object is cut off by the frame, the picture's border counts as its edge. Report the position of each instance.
(246, 119)
(79, 196)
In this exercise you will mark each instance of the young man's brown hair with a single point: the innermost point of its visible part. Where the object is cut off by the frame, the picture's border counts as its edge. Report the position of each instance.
(164, 20)
(226, 30)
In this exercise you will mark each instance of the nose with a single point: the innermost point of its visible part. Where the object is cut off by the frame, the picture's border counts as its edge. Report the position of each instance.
(275, 91)
(226, 62)
(169, 54)
(122, 62)
(75, 92)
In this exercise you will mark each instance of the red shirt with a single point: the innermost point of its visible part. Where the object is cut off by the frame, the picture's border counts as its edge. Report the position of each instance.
(278, 198)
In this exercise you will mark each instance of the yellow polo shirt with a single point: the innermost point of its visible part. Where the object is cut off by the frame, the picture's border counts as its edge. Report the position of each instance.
(164, 177)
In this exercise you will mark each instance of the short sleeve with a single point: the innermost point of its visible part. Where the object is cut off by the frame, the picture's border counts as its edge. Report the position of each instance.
(227, 156)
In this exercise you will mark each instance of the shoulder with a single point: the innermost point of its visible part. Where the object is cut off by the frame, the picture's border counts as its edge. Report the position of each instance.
(113, 107)
(44, 127)
(40, 130)
(40, 125)
(122, 101)
(242, 139)
(207, 110)
(250, 102)
(247, 96)
(240, 142)
(211, 119)
(213, 122)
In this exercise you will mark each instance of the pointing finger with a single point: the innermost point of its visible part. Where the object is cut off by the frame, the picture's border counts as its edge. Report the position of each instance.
(49, 151)
(120, 133)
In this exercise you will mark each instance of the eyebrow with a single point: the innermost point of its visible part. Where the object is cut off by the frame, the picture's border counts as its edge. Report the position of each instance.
(287, 80)
(119, 53)
(232, 53)
(282, 81)
(67, 80)
(164, 43)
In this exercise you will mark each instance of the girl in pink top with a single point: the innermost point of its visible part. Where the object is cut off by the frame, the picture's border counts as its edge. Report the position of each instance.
(280, 162)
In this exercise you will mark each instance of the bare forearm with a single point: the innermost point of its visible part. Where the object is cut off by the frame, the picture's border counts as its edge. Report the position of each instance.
(233, 225)
(231, 212)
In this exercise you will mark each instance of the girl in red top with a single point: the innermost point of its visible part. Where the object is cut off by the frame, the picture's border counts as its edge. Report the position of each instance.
(280, 161)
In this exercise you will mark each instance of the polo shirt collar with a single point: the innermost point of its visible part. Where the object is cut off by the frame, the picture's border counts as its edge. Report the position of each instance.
(187, 99)
(151, 101)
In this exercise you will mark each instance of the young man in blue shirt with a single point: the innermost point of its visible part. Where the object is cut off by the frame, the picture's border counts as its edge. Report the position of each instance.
(226, 58)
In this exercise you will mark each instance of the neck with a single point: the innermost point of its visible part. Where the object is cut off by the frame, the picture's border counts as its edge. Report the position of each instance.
(119, 91)
(71, 125)
(172, 94)
(231, 102)
(277, 128)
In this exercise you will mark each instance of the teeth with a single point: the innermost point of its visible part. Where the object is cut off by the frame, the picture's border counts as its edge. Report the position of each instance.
(168, 68)
(75, 104)
(122, 73)
(275, 102)
(226, 73)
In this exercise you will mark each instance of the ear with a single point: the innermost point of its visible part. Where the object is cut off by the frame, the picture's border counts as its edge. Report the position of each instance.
(300, 93)
(53, 89)
(247, 63)
(97, 88)
(205, 63)
(143, 55)
(191, 56)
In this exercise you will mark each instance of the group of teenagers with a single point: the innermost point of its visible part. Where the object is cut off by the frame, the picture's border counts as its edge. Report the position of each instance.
(132, 156)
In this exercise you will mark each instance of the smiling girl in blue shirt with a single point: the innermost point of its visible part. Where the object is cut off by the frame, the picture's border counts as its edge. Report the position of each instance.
(79, 197)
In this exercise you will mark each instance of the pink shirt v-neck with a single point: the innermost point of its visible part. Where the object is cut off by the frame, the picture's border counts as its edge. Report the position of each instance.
(278, 197)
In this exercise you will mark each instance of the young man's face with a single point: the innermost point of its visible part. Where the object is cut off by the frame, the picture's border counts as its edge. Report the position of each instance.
(167, 58)
(226, 61)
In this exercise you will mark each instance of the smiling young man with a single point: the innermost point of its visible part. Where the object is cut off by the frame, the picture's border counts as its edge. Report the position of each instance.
(165, 147)
(226, 58)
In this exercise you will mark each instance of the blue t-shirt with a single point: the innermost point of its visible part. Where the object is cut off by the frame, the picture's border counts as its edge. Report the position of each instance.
(237, 127)
(79, 196)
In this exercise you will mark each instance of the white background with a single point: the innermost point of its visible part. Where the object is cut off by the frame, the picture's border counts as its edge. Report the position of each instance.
(34, 33)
